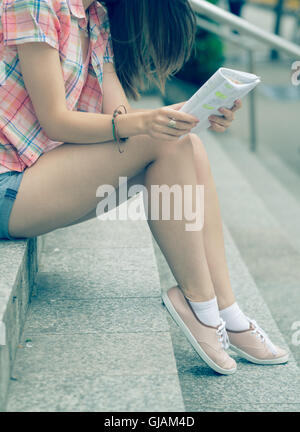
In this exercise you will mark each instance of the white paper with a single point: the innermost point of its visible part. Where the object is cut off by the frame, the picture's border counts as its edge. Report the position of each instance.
(221, 90)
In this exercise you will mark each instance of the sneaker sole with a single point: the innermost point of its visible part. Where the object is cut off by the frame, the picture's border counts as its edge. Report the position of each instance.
(176, 317)
(276, 361)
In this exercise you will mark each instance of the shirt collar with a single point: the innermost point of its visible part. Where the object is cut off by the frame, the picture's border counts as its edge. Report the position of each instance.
(77, 9)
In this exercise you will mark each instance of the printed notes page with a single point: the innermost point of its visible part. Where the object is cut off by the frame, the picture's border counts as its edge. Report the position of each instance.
(221, 90)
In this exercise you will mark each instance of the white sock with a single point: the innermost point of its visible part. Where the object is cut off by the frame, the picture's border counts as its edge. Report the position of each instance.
(235, 318)
(207, 312)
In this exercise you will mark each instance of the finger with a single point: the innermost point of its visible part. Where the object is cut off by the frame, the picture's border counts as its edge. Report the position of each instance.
(161, 127)
(168, 137)
(181, 126)
(227, 113)
(176, 106)
(217, 127)
(237, 105)
(165, 130)
(220, 120)
(173, 132)
(180, 116)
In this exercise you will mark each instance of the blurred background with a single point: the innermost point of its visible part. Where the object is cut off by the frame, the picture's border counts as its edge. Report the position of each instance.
(277, 101)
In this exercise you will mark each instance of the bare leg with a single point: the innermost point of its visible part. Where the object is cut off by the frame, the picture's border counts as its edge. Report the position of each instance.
(138, 179)
(183, 249)
(213, 231)
(60, 188)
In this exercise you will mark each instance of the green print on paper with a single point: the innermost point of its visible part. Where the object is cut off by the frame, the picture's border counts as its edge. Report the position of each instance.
(221, 95)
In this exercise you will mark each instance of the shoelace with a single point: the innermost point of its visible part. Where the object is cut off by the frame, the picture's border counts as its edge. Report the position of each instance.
(262, 335)
(223, 336)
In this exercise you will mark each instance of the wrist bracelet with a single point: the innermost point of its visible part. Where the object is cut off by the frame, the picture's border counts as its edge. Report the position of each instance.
(116, 136)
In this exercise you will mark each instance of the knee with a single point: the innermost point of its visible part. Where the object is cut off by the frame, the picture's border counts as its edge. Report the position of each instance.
(188, 147)
(192, 147)
(200, 155)
(182, 148)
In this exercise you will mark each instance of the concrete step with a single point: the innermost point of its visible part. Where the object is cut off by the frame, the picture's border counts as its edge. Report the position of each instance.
(97, 335)
(18, 266)
(252, 388)
(284, 173)
(262, 218)
(274, 183)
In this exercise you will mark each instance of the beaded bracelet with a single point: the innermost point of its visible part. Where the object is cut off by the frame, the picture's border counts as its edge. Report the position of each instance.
(114, 127)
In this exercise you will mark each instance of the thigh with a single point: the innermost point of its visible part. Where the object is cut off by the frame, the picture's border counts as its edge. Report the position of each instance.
(60, 188)
(138, 179)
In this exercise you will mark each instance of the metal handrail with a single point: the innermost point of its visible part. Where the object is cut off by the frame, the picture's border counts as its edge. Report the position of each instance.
(250, 30)
(245, 27)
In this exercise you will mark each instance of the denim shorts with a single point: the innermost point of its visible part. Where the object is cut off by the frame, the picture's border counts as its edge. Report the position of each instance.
(9, 186)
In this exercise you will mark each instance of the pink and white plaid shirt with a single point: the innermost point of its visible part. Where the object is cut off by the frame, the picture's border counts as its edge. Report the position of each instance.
(57, 23)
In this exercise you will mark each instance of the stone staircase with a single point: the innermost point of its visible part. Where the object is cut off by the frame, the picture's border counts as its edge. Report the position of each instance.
(96, 336)
(18, 268)
(251, 388)
(262, 221)
(263, 215)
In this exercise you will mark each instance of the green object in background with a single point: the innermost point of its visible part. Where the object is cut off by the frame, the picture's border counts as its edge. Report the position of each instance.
(206, 59)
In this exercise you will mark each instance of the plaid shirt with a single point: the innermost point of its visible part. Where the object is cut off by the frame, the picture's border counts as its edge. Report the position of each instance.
(57, 23)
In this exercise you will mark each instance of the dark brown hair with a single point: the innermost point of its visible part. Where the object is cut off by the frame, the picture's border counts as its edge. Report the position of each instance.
(152, 39)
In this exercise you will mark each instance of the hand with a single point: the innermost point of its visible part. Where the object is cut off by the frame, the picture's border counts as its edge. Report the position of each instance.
(221, 123)
(156, 122)
(176, 106)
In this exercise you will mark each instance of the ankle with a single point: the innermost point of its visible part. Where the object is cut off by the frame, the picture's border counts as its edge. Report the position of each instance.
(224, 303)
(197, 295)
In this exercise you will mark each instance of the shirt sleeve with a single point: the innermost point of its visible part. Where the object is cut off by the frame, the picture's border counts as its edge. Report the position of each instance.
(30, 21)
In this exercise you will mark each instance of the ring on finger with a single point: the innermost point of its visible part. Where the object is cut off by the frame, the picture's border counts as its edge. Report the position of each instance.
(172, 123)
(223, 121)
